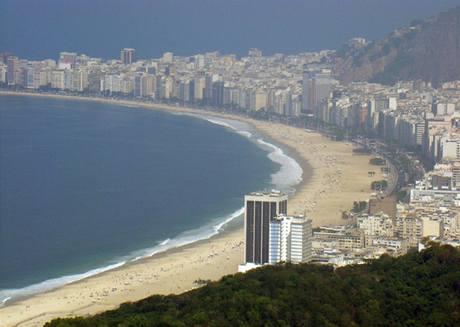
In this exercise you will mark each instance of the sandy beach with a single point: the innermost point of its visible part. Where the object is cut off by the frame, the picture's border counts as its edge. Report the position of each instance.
(338, 178)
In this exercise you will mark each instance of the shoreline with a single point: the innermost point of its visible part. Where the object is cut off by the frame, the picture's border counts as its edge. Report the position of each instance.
(219, 225)
(224, 249)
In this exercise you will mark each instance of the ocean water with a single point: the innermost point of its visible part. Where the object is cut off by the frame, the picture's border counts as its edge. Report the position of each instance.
(86, 187)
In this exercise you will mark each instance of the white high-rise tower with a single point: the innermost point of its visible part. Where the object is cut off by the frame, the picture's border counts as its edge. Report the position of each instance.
(290, 239)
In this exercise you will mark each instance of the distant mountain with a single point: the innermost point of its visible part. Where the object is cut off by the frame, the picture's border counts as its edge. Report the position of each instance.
(418, 289)
(428, 50)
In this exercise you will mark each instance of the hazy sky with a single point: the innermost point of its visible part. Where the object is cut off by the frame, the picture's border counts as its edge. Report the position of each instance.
(41, 28)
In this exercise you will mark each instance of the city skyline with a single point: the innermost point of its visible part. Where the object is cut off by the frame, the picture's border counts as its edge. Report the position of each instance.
(38, 30)
(318, 147)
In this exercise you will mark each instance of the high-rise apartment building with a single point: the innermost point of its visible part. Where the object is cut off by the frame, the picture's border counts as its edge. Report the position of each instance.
(58, 79)
(3, 72)
(127, 56)
(198, 88)
(79, 80)
(168, 57)
(199, 62)
(67, 60)
(4, 56)
(260, 210)
(290, 239)
(209, 80)
(217, 93)
(257, 100)
(12, 63)
(315, 88)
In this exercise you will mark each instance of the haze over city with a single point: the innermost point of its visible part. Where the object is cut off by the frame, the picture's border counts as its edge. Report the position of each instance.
(41, 29)
(229, 163)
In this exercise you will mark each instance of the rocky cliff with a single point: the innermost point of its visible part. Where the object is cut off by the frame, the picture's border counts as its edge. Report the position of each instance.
(428, 50)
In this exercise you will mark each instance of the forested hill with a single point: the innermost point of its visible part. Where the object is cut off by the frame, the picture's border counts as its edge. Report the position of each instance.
(427, 50)
(418, 289)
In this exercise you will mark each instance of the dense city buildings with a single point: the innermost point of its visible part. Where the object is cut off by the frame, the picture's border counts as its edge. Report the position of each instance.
(408, 123)
(254, 83)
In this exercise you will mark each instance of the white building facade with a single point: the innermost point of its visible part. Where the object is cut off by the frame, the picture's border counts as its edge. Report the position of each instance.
(290, 239)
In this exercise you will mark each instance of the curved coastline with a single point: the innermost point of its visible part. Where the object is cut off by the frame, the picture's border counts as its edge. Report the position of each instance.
(286, 178)
(333, 178)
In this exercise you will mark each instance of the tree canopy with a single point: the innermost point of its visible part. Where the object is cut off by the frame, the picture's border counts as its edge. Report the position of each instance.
(418, 289)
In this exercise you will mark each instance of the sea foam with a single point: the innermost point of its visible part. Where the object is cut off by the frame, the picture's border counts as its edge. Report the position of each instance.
(290, 172)
(9, 294)
(187, 237)
(285, 179)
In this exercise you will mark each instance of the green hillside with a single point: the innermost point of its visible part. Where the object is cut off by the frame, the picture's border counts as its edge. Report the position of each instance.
(418, 289)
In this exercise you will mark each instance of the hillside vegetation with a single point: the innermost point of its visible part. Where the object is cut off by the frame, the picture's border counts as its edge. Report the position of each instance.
(428, 50)
(418, 289)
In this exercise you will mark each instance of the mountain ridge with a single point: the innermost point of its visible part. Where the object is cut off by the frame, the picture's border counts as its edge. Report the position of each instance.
(426, 50)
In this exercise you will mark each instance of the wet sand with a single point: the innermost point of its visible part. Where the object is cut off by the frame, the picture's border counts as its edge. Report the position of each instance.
(334, 177)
